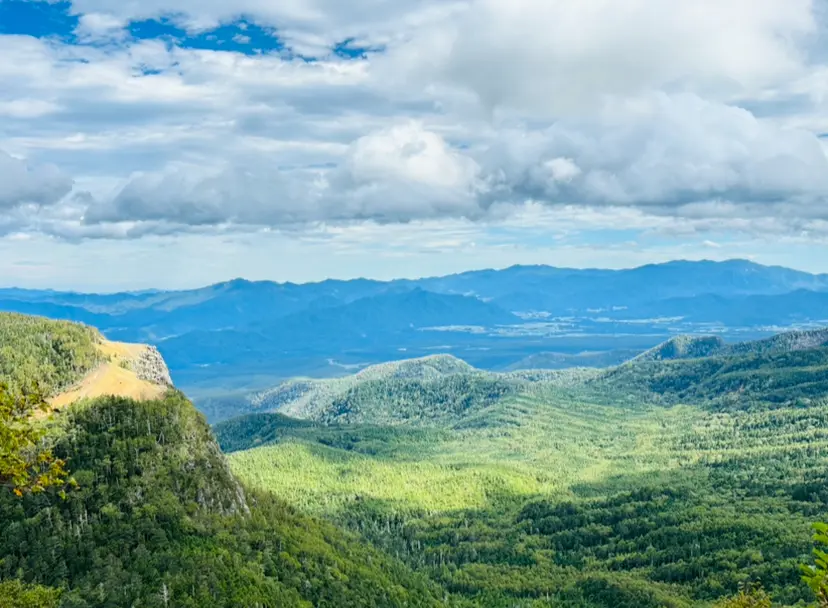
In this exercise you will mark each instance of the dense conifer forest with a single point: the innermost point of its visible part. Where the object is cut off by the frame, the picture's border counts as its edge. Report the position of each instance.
(675, 482)
(49, 354)
(662, 483)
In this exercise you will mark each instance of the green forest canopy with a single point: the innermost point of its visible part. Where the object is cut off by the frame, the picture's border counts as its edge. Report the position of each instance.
(661, 484)
(49, 354)
(592, 494)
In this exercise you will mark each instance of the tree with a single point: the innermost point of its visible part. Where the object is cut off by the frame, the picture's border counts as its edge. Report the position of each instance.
(749, 596)
(816, 576)
(26, 464)
(15, 594)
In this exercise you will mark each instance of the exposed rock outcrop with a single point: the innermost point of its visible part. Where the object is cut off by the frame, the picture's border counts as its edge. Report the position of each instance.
(149, 365)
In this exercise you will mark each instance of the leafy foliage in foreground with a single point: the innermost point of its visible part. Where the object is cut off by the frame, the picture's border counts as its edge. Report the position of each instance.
(25, 463)
(159, 520)
(816, 576)
(14, 594)
(50, 354)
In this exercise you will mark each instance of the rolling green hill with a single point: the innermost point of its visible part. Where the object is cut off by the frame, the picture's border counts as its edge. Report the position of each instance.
(421, 391)
(683, 347)
(758, 378)
(311, 398)
(660, 483)
(443, 389)
(695, 347)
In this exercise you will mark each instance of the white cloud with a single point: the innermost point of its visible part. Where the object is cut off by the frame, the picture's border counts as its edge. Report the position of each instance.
(562, 169)
(553, 56)
(679, 119)
(26, 108)
(397, 174)
(95, 27)
(661, 151)
(22, 183)
(308, 26)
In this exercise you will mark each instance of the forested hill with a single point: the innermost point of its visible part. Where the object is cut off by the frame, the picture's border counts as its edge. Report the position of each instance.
(427, 390)
(694, 347)
(444, 390)
(52, 354)
(669, 482)
(786, 369)
(152, 515)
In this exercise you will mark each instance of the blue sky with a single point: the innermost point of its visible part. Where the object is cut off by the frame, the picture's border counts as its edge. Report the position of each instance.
(165, 143)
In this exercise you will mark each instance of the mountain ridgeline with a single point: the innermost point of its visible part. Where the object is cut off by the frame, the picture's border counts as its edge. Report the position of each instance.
(694, 347)
(429, 389)
(242, 335)
(440, 388)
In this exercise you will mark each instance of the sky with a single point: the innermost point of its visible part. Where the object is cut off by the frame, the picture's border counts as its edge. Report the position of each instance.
(175, 143)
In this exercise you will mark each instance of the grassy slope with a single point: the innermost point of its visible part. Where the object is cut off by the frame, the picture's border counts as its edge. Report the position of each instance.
(113, 376)
(598, 496)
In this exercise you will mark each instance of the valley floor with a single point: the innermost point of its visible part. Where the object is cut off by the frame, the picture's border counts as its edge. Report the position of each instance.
(546, 498)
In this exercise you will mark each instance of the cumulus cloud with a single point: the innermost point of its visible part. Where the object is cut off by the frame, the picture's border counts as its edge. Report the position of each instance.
(664, 108)
(660, 151)
(22, 183)
(397, 174)
(96, 27)
(308, 26)
(675, 155)
(553, 56)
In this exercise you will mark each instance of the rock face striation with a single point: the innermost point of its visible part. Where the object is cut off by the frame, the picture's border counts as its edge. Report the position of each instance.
(149, 365)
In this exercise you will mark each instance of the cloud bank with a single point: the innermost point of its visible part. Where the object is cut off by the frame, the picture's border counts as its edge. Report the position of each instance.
(706, 113)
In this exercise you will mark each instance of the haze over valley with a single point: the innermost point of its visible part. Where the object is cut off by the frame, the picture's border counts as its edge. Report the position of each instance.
(242, 336)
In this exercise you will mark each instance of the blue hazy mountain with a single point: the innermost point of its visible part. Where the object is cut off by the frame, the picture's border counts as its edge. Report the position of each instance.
(252, 328)
(382, 321)
(796, 306)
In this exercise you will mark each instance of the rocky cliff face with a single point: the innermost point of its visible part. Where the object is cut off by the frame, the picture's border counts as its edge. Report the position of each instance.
(150, 366)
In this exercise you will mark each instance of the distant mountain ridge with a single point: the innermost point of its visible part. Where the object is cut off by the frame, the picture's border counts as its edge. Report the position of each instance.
(249, 334)
(667, 280)
(696, 347)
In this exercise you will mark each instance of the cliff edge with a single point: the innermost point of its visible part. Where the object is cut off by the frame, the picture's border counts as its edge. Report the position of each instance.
(136, 371)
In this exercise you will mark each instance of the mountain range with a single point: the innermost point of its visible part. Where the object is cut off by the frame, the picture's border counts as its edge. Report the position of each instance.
(248, 334)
